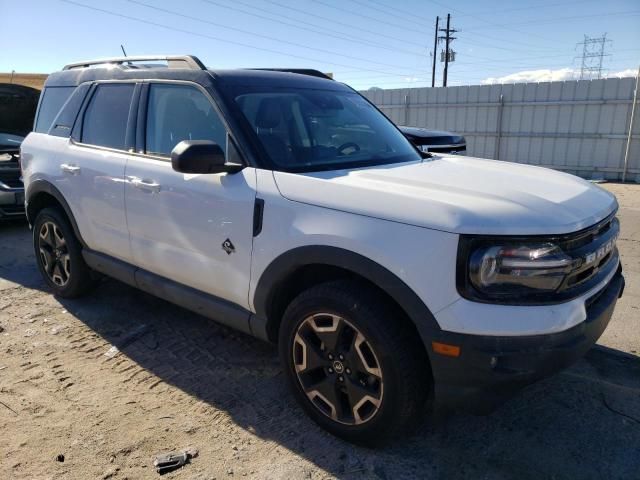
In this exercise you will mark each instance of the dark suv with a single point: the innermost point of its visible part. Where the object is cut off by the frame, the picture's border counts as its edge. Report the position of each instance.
(435, 141)
(17, 109)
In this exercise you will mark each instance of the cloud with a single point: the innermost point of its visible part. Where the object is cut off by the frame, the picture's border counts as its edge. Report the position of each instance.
(547, 75)
(629, 72)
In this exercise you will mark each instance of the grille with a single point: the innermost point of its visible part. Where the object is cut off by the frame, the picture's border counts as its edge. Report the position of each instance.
(10, 176)
(11, 209)
(593, 251)
(449, 148)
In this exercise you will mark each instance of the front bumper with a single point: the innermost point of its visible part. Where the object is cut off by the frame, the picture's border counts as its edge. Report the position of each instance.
(11, 202)
(11, 193)
(490, 369)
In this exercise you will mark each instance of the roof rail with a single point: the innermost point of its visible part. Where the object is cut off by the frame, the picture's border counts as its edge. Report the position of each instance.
(173, 61)
(302, 71)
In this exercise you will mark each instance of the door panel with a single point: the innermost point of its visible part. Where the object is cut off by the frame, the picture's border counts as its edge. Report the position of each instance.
(177, 228)
(92, 169)
(178, 223)
(92, 181)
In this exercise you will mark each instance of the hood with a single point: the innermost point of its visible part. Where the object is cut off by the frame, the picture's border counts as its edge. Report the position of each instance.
(458, 195)
(424, 132)
(422, 136)
(18, 106)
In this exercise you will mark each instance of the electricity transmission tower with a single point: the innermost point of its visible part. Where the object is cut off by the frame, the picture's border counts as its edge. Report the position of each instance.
(593, 52)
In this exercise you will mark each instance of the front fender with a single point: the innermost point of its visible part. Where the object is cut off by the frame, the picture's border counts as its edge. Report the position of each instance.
(286, 264)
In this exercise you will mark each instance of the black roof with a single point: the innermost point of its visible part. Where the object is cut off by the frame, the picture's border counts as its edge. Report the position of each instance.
(188, 68)
(275, 78)
(204, 77)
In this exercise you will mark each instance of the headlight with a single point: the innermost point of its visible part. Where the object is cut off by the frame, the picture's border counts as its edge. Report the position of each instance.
(508, 270)
(534, 270)
(423, 148)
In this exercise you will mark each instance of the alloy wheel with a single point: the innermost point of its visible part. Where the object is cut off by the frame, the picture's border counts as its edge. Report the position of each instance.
(54, 253)
(338, 369)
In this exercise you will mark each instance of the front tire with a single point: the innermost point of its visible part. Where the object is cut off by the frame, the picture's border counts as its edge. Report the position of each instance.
(354, 363)
(59, 255)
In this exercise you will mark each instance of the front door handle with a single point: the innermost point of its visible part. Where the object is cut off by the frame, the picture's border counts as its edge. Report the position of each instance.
(72, 169)
(148, 185)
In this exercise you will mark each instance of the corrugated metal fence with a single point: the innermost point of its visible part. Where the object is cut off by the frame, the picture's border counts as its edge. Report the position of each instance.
(581, 126)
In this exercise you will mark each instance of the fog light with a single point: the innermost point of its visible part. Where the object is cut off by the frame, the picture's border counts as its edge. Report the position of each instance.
(493, 362)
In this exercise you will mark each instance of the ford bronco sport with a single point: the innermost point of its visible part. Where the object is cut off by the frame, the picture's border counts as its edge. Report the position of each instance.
(285, 205)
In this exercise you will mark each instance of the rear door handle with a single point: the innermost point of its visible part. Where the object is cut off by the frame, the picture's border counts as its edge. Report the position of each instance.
(148, 185)
(72, 169)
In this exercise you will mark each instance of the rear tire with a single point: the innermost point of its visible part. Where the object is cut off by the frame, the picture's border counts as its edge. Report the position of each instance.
(59, 255)
(354, 363)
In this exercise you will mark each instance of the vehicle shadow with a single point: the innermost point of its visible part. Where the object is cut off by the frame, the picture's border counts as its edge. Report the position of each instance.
(582, 423)
(16, 253)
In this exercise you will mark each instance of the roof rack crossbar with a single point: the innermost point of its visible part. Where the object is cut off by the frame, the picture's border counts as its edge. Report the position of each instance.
(173, 61)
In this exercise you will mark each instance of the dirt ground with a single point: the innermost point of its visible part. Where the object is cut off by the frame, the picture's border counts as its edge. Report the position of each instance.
(112, 379)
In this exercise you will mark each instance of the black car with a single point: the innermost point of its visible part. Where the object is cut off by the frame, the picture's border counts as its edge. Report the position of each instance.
(17, 109)
(435, 141)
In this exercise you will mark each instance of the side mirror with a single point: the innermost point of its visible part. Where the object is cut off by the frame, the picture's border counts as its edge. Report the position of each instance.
(201, 156)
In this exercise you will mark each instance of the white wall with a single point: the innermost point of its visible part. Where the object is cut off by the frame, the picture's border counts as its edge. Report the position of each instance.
(576, 126)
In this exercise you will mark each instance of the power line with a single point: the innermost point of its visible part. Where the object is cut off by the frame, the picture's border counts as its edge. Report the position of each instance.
(210, 37)
(529, 45)
(395, 8)
(267, 37)
(630, 13)
(530, 7)
(296, 23)
(349, 66)
(483, 20)
(352, 27)
(387, 23)
(500, 47)
(511, 41)
(476, 34)
(404, 18)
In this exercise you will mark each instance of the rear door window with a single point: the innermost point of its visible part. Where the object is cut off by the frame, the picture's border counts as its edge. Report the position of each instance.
(106, 117)
(180, 112)
(53, 98)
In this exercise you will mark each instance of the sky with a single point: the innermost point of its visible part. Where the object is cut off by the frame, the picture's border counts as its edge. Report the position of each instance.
(364, 43)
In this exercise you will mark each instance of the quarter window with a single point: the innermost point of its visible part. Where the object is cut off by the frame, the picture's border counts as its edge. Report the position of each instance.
(180, 112)
(53, 98)
(106, 117)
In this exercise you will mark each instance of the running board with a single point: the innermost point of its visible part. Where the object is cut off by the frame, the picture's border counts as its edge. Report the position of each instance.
(202, 303)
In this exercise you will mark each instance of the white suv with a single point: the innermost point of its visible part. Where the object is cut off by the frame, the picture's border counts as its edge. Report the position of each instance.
(285, 205)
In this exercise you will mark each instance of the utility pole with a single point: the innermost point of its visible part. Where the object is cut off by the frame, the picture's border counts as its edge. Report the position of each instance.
(593, 52)
(435, 49)
(448, 55)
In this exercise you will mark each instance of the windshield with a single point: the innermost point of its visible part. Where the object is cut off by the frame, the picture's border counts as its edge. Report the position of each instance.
(305, 130)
